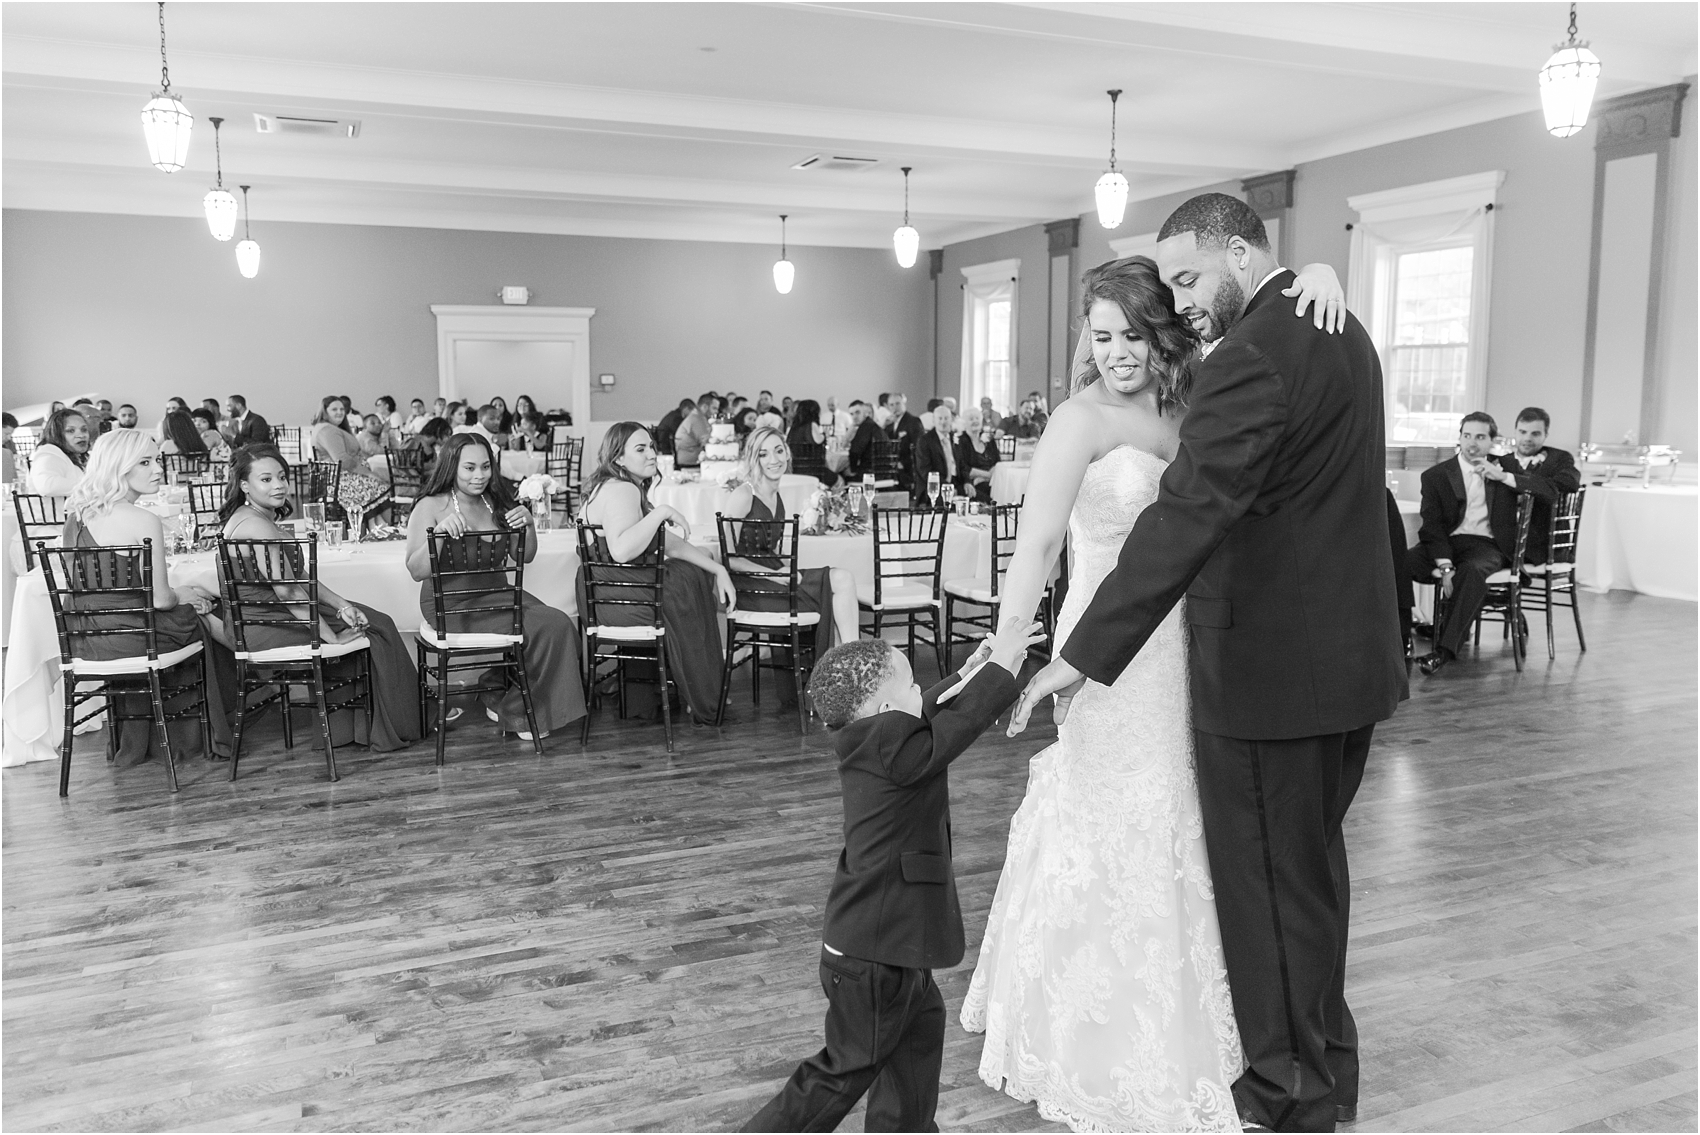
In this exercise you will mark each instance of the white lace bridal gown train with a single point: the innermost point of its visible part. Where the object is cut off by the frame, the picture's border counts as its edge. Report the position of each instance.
(1100, 986)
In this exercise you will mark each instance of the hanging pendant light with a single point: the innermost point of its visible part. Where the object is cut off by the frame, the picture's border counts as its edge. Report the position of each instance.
(906, 240)
(166, 122)
(1567, 84)
(247, 253)
(784, 272)
(219, 202)
(1111, 189)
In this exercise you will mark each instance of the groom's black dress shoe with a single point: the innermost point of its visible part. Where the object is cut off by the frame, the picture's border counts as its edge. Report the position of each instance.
(1345, 1113)
(1429, 663)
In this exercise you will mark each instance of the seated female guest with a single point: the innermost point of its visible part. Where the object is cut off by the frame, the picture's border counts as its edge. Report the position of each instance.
(829, 592)
(744, 421)
(56, 466)
(206, 424)
(430, 438)
(181, 436)
(803, 438)
(616, 497)
(466, 492)
(333, 440)
(978, 448)
(531, 434)
(257, 499)
(102, 512)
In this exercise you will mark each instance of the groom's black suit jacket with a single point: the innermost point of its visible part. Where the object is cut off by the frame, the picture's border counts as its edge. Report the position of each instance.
(1272, 521)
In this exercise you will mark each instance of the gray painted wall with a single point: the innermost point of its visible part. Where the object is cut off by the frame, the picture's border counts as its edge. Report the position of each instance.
(1032, 311)
(143, 308)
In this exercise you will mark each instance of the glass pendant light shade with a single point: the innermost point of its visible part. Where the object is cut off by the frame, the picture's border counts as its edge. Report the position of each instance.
(248, 259)
(1567, 88)
(221, 208)
(784, 272)
(907, 242)
(1111, 192)
(166, 123)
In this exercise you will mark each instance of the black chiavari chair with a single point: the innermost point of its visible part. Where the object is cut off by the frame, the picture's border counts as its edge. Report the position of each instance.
(888, 470)
(762, 555)
(39, 518)
(623, 591)
(1553, 584)
(205, 499)
(98, 594)
(185, 466)
(252, 573)
(809, 460)
(1504, 602)
(565, 464)
(1006, 447)
(291, 444)
(986, 592)
(407, 469)
(317, 482)
(908, 557)
(461, 570)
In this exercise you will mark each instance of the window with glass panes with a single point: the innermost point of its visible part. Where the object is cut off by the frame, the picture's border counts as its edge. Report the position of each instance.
(1430, 352)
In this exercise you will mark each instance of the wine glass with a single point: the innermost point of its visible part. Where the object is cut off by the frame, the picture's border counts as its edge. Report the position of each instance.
(314, 514)
(933, 488)
(947, 494)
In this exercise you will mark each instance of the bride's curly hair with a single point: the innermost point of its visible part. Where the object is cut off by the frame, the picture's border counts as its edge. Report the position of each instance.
(1133, 285)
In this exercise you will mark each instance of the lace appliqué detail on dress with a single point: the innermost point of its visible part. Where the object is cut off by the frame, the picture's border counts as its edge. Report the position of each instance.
(1101, 986)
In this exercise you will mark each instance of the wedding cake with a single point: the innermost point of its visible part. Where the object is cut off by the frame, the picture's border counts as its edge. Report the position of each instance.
(720, 455)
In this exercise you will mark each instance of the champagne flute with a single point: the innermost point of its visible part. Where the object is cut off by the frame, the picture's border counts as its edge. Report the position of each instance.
(933, 488)
(947, 493)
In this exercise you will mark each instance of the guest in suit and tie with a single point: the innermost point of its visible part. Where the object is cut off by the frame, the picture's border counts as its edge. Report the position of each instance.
(1543, 471)
(245, 428)
(1469, 532)
(904, 430)
(940, 450)
(864, 441)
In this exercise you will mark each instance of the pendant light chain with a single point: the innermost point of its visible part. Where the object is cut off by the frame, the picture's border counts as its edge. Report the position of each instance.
(1114, 95)
(165, 68)
(1573, 23)
(782, 217)
(246, 233)
(218, 152)
(906, 170)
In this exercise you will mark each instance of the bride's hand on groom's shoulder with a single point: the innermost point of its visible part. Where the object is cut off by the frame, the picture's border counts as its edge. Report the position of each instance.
(1318, 284)
(1058, 678)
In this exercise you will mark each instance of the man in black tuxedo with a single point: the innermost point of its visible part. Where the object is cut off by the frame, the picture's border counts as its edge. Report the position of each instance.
(1272, 520)
(863, 440)
(1469, 532)
(1542, 470)
(904, 430)
(245, 428)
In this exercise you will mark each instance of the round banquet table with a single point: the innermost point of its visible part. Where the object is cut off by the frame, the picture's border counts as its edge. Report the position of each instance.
(1009, 481)
(515, 465)
(371, 573)
(698, 501)
(1640, 538)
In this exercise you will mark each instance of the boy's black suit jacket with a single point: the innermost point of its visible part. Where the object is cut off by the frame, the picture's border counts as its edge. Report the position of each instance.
(893, 899)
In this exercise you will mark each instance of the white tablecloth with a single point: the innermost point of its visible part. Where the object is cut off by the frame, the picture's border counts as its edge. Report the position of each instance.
(1009, 481)
(515, 465)
(373, 574)
(698, 501)
(1642, 539)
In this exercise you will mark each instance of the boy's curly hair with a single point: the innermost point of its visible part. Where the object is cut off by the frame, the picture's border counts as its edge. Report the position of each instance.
(847, 676)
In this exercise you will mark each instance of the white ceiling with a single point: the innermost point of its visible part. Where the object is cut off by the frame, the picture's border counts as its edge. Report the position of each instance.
(684, 120)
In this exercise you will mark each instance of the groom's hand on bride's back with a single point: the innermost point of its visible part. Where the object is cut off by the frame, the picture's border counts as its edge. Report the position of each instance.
(1059, 678)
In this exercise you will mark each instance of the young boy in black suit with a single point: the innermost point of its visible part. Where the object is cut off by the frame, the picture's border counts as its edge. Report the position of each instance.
(893, 915)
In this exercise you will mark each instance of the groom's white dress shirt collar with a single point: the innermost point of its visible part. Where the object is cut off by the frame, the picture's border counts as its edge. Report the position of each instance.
(1278, 270)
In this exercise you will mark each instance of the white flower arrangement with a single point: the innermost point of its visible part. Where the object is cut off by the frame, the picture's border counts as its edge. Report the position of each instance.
(538, 487)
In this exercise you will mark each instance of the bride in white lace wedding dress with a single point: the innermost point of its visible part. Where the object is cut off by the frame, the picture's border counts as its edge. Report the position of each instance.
(1100, 984)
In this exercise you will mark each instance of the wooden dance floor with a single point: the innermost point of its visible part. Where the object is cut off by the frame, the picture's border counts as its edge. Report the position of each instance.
(611, 939)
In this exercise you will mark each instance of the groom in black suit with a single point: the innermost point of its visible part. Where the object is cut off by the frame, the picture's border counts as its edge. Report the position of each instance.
(1272, 521)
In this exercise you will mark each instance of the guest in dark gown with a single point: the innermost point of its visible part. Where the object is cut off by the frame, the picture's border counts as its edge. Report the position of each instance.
(101, 511)
(257, 498)
(616, 497)
(466, 492)
(829, 592)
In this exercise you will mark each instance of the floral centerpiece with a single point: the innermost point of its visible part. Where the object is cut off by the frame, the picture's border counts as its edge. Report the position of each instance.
(830, 511)
(536, 490)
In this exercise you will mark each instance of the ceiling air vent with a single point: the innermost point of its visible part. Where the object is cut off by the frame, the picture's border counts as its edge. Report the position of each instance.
(296, 124)
(835, 161)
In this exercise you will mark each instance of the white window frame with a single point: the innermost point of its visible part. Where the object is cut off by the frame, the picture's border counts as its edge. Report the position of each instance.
(1452, 213)
(982, 285)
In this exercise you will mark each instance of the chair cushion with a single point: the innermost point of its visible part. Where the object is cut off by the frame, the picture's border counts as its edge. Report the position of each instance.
(975, 589)
(897, 596)
(774, 618)
(1548, 569)
(302, 653)
(626, 634)
(1500, 578)
(465, 641)
(137, 664)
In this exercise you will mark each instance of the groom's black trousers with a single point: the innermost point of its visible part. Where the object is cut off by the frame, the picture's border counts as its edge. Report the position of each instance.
(1272, 817)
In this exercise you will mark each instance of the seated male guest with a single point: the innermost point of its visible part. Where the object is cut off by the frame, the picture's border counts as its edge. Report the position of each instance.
(863, 442)
(244, 428)
(692, 434)
(1542, 470)
(669, 424)
(1469, 531)
(904, 430)
(1024, 423)
(940, 450)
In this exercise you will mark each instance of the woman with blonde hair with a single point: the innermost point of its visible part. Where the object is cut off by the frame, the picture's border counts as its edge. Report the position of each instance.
(101, 511)
(616, 496)
(755, 496)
